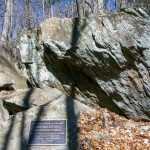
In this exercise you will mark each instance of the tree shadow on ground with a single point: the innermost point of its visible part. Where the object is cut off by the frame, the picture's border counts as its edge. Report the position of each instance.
(71, 121)
(71, 117)
(8, 135)
(23, 142)
(26, 102)
(61, 69)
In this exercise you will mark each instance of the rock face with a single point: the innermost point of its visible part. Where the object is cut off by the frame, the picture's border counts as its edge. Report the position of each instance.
(28, 98)
(14, 133)
(19, 108)
(99, 60)
(9, 75)
(5, 80)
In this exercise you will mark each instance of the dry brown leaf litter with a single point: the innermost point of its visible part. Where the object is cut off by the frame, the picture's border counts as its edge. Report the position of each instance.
(103, 130)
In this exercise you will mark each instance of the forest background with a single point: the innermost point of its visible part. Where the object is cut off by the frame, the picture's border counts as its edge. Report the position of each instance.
(18, 14)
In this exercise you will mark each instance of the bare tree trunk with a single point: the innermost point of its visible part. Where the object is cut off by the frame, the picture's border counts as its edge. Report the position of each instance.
(49, 11)
(97, 6)
(28, 13)
(52, 11)
(7, 22)
(83, 9)
(59, 7)
(43, 5)
(100, 6)
(118, 5)
(79, 4)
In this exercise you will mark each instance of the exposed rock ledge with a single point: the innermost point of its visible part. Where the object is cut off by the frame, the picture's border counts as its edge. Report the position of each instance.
(102, 60)
(44, 104)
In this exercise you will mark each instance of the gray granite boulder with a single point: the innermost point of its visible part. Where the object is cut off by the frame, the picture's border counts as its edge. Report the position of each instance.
(4, 114)
(24, 99)
(33, 97)
(100, 60)
(9, 74)
(14, 133)
(5, 80)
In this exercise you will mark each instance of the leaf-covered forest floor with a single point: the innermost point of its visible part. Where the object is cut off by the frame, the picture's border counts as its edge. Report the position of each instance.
(104, 130)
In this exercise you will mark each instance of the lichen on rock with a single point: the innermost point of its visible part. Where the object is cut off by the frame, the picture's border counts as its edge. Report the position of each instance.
(99, 60)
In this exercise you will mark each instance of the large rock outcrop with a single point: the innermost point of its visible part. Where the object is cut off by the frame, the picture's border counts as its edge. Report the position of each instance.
(24, 99)
(100, 60)
(14, 132)
(9, 75)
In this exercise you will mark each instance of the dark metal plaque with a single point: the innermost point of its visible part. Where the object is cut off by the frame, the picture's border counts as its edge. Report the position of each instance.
(48, 132)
